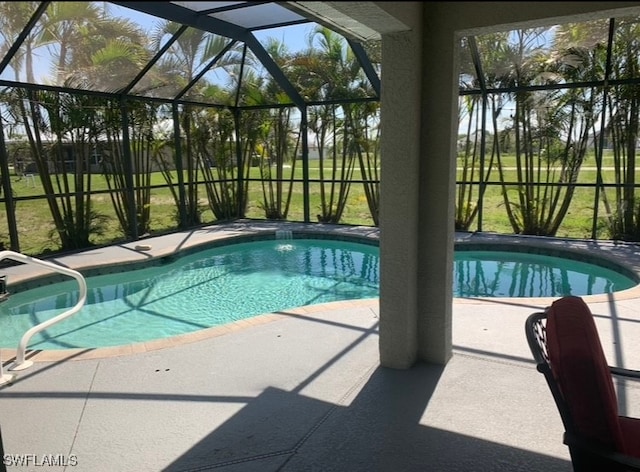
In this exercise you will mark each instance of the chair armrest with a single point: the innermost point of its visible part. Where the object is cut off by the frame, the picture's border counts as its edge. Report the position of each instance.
(628, 373)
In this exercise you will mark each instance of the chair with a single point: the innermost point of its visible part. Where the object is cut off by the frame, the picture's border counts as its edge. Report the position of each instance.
(566, 347)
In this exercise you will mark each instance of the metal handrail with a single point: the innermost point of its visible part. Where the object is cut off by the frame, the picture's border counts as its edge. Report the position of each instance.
(20, 362)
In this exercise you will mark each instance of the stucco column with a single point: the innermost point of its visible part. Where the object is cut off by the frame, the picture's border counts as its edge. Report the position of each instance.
(399, 196)
(418, 112)
(437, 187)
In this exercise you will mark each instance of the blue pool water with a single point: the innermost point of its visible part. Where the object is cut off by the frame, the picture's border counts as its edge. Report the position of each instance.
(520, 274)
(223, 284)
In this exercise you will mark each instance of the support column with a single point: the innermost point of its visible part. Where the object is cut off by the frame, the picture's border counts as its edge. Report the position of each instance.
(399, 196)
(419, 116)
(437, 187)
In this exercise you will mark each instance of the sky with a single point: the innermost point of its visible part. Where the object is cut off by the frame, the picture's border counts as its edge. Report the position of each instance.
(295, 38)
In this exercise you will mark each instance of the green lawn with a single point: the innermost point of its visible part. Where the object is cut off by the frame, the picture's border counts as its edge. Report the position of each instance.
(579, 220)
(37, 236)
(36, 229)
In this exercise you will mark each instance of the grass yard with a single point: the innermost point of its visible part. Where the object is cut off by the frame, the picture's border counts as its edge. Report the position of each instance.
(37, 235)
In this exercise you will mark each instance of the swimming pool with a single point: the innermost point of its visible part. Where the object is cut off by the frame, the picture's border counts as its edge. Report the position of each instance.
(218, 285)
(491, 273)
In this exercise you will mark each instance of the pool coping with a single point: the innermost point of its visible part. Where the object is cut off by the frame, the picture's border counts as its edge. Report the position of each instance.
(153, 248)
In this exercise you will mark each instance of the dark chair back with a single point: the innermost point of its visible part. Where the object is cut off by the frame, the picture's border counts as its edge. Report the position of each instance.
(566, 347)
(582, 373)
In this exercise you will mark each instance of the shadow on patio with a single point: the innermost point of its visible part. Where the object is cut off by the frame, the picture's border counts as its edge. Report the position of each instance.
(384, 427)
(304, 392)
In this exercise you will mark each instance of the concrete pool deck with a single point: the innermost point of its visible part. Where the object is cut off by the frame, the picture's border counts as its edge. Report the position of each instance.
(302, 390)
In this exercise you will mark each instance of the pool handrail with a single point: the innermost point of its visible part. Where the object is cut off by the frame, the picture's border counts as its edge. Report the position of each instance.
(20, 362)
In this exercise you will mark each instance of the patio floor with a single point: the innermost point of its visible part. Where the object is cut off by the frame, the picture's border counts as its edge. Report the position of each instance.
(303, 390)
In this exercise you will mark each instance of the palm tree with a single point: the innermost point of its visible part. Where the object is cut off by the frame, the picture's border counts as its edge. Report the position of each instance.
(550, 131)
(366, 145)
(578, 55)
(623, 106)
(104, 53)
(332, 74)
(127, 162)
(178, 68)
(278, 141)
(13, 18)
(470, 161)
(214, 142)
(473, 108)
(73, 121)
